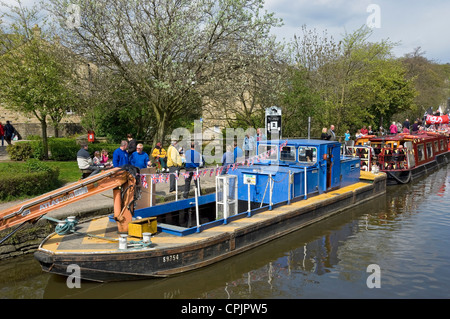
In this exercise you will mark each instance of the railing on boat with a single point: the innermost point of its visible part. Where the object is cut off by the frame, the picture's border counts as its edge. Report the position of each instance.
(364, 152)
(224, 201)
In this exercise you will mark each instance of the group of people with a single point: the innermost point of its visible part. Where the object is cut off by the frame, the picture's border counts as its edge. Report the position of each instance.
(129, 152)
(7, 132)
(360, 133)
(394, 128)
(170, 161)
(328, 134)
(132, 153)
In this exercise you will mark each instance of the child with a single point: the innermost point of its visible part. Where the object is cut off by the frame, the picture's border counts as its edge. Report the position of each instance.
(159, 154)
(96, 160)
(347, 135)
(104, 158)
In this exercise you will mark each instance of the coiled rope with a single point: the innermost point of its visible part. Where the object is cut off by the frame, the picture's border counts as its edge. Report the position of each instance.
(70, 225)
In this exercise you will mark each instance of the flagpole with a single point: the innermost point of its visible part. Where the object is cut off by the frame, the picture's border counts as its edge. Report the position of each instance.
(176, 185)
(151, 194)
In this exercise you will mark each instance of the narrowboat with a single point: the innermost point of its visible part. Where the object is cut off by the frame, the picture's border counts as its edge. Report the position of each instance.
(404, 157)
(287, 185)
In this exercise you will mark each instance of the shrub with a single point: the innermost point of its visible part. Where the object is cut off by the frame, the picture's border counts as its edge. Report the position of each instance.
(20, 151)
(63, 149)
(34, 178)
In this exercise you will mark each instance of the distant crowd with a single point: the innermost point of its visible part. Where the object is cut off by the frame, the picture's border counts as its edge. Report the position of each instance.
(395, 128)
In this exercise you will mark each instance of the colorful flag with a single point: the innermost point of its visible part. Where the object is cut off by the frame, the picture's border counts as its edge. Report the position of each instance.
(144, 181)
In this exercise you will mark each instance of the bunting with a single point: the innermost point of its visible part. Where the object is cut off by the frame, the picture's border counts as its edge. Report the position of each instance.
(165, 177)
(144, 181)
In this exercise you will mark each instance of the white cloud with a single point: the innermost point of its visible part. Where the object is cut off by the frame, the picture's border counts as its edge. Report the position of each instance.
(412, 23)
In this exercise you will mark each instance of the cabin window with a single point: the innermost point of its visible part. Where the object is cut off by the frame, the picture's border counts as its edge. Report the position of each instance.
(307, 155)
(272, 155)
(442, 145)
(376, 149)
(288, 154)
(429, 150)
(420, 152)
(436, 146)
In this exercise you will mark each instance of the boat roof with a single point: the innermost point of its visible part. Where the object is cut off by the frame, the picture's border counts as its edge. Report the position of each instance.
(401, 137)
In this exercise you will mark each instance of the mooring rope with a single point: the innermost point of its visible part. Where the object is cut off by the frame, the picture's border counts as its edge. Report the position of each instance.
(69, 227)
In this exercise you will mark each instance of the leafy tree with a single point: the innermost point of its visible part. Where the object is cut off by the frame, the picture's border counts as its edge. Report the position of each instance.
(127, 109)
(35, 75)
(359, 81)
(430, 81)
(170, 51)
(299, 102)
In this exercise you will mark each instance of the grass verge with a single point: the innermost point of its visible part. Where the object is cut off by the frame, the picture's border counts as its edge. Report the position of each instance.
(68, 172)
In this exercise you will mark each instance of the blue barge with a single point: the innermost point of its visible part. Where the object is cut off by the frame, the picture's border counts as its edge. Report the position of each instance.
(288, 186)
(300, 168)
(277, 178)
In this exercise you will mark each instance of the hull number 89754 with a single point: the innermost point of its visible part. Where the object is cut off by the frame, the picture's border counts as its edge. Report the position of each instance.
(170, 258)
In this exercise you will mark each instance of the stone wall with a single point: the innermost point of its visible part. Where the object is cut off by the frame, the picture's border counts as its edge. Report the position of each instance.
(30, 125)
(67, 129)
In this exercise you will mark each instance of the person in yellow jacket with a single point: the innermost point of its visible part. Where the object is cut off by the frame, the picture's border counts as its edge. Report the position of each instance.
(173, 163)
(159, 154)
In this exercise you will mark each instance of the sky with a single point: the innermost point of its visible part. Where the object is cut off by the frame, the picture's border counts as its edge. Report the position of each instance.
(411, 24)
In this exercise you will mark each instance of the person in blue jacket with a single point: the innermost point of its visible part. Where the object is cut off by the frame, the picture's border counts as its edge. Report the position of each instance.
(238, 154)
(139, 158)
(120, 155)
(193, 161)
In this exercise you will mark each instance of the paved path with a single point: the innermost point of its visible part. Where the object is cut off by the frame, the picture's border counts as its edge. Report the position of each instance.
(3, 154)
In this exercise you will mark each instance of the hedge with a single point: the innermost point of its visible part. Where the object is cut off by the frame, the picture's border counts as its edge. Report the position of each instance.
(60, 149)
(33, 178)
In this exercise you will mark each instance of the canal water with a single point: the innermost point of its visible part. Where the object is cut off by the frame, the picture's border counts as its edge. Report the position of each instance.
(397, 246)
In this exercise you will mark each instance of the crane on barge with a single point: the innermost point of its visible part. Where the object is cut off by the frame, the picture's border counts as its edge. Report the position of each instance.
(122, 180)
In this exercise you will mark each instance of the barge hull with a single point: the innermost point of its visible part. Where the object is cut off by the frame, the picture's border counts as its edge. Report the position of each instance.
(405, 176)
(170, 255)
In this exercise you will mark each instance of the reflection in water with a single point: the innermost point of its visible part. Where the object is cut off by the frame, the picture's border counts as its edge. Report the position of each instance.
(405, 232)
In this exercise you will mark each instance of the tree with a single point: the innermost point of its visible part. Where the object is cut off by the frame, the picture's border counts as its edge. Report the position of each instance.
(127, 109)
(170, 51)
(430, 81)
(299, 102)
(34, 76)
(359, 81)
(243, 97)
